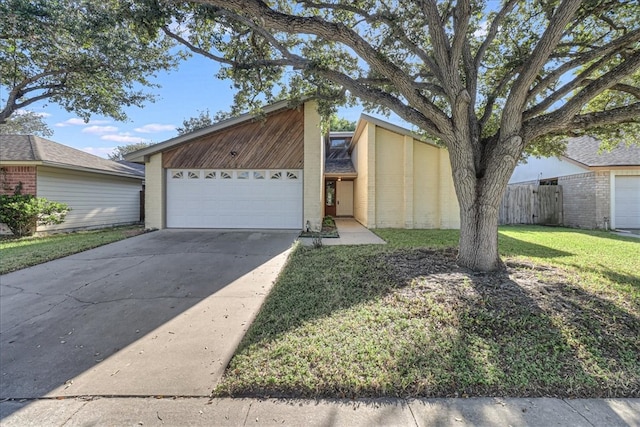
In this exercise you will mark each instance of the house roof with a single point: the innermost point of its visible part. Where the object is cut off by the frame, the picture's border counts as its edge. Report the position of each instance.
(586, 150)
(139, 156)
(30, 149)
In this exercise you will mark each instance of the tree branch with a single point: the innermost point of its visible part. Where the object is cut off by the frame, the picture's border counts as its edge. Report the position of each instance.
(291, 24)
(517, 98)
(582, 122)
(493, 31)
(558, 119)
(606, 51)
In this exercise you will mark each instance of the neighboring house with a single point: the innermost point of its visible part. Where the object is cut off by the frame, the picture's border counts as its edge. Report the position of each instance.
(279, 170)
(100, 192)
(601, 189)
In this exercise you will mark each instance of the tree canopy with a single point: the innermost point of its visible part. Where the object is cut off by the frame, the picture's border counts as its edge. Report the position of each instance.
(487, 79)
(122, 150)
(26, 123)
(83, 55)
(340, 124)
(203, 120)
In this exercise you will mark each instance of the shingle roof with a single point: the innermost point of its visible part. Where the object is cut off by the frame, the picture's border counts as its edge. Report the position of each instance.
(586, 150)
(338, 166)
(30, 148)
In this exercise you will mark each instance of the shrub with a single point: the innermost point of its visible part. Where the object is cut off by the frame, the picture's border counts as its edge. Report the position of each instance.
(22, 213)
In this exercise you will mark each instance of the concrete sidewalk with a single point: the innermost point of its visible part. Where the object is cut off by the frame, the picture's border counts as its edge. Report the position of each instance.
(137, 411)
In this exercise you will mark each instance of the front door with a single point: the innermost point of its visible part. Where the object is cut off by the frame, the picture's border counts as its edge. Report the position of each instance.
(344, 198)
(330, 198)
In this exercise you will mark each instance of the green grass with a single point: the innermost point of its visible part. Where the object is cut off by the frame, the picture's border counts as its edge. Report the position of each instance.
(16, 254)
(377, 321)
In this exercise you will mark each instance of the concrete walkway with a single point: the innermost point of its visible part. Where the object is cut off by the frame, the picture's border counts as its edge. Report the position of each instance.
(170, 411)
(351, 233)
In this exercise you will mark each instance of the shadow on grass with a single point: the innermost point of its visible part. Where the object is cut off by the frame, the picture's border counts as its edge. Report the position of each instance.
(510, 246)
(617, 277)
(411, 323)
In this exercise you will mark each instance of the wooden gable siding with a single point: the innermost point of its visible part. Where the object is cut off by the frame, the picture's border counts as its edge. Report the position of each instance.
(276, 142)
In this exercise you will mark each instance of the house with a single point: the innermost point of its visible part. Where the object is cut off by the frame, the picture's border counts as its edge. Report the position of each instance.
(601, 189)
(100, 192)
(279, 170)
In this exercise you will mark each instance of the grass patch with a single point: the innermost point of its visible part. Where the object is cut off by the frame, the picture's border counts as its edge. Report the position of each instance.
(403, 320)
(16, 254)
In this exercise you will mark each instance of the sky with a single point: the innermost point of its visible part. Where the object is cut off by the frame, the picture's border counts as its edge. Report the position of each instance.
(184, 92)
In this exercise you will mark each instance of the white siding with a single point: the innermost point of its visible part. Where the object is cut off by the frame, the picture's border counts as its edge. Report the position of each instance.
(546, 167)
(96, 200)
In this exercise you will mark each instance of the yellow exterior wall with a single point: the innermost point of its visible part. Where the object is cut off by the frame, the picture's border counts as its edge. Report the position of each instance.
(426, 185)
(362, 206)
(402, 182)
(449, 208)
(313, 173)
(155, 194)
(389, 179)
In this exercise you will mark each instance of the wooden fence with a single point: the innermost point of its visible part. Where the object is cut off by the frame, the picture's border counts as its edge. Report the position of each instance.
(532, 204)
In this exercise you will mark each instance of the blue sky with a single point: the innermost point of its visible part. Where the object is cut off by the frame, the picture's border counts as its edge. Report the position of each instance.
(183, 93)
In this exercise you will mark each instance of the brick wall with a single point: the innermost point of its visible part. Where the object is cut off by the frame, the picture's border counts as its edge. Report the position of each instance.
(603, 199)
(579, 200)
(10, 176)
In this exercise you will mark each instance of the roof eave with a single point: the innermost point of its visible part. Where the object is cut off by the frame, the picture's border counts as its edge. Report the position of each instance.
(92, 170)
(20, 162)
(340, 175)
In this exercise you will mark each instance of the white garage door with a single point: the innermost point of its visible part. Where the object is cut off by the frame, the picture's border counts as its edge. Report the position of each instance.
(234, 198)
(627, 201)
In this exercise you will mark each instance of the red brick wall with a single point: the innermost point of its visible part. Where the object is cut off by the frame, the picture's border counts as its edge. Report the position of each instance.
(10, 176)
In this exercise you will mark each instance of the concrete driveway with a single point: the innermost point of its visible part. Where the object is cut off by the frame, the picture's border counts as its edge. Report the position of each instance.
(157, 314)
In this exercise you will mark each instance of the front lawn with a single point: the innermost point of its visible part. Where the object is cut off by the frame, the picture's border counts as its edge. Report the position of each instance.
(16, 254)
(404, 320)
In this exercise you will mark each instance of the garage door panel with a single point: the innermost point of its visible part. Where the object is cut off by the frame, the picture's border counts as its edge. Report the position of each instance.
(236, 202)
(627, 200)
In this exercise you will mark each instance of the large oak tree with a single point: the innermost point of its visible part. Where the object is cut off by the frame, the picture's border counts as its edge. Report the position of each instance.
(81, 54)
(489, 80)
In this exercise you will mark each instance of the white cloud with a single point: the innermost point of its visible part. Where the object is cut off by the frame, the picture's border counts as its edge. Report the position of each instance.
(75, 121)
(155, 127)
(99, 151)
(99, 129)
(71, 122)
(123, 137)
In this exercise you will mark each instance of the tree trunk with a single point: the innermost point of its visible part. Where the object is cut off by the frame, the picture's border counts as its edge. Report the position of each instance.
(480, 179)
(479, 236)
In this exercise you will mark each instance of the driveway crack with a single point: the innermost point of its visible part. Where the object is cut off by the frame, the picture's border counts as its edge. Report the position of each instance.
(132, 299)
(568, 403)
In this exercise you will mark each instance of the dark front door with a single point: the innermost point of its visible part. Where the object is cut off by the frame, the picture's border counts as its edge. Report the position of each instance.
(330, 198)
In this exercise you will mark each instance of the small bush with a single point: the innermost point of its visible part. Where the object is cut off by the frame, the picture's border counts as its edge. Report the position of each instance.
(22, 213)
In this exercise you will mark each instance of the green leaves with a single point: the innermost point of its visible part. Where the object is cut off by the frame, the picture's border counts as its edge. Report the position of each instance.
(22, 213)
(87, 56)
